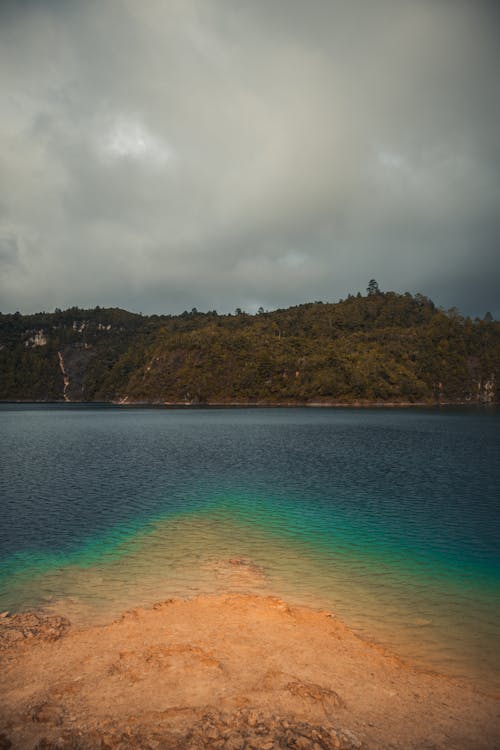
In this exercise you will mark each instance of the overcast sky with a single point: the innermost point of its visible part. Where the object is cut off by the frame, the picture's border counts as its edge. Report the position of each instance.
(160, 155)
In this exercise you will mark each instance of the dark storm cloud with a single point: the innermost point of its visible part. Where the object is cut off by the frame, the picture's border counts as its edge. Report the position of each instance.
(165, 155)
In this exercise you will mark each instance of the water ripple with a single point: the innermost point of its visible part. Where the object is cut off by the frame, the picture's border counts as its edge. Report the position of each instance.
(389, 517)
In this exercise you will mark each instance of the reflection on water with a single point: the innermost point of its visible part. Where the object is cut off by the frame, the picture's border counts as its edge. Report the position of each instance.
(389, 519)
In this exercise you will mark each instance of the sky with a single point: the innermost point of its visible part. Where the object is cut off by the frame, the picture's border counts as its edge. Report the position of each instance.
(168, 154)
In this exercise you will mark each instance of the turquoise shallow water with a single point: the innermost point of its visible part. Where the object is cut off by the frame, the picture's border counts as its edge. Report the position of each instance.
(389, 517)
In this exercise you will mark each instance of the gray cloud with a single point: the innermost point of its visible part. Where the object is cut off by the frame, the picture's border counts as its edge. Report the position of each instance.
(165, 155)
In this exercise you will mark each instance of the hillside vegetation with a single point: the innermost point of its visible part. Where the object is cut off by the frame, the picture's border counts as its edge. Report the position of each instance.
(383, 347)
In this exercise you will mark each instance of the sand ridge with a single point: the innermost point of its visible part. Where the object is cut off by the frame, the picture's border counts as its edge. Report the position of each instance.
(225, 671)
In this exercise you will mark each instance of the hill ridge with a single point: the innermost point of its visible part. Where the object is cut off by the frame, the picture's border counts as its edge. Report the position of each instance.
(384, 347)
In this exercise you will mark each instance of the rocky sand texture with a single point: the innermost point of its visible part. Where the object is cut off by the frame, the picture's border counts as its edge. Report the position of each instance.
(229, 672)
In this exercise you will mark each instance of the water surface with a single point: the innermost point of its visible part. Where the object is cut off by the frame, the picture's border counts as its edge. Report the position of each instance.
(389, 517)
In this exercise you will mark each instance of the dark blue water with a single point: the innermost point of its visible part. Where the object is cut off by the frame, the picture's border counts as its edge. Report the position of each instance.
(392, 517)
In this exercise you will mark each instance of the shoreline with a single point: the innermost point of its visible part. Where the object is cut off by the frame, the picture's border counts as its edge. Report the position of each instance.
(226, 671)
(262, 404)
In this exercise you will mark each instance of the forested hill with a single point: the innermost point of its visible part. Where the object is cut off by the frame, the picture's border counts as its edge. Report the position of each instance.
(383, 347)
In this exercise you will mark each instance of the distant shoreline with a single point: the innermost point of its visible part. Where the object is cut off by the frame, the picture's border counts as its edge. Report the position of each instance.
(262, 404)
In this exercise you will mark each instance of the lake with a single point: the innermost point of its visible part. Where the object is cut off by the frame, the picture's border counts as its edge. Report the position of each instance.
(388, 517)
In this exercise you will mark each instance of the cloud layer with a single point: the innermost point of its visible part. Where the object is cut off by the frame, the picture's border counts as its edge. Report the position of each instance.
(215, 153)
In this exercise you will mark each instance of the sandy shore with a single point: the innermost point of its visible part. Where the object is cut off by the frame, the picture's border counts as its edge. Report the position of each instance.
(226, 671)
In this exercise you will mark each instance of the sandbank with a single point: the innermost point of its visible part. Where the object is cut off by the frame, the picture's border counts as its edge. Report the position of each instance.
(227, 671)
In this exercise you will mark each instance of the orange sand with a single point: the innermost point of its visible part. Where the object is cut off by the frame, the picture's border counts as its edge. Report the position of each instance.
(226, 671)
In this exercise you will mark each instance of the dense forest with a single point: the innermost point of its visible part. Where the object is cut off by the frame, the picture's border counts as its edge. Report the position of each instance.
(383, 347)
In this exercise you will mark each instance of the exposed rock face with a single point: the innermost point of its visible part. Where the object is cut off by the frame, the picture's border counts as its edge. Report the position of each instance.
(21, 627)
(486, 391)
(245, 729)
(38, 338)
